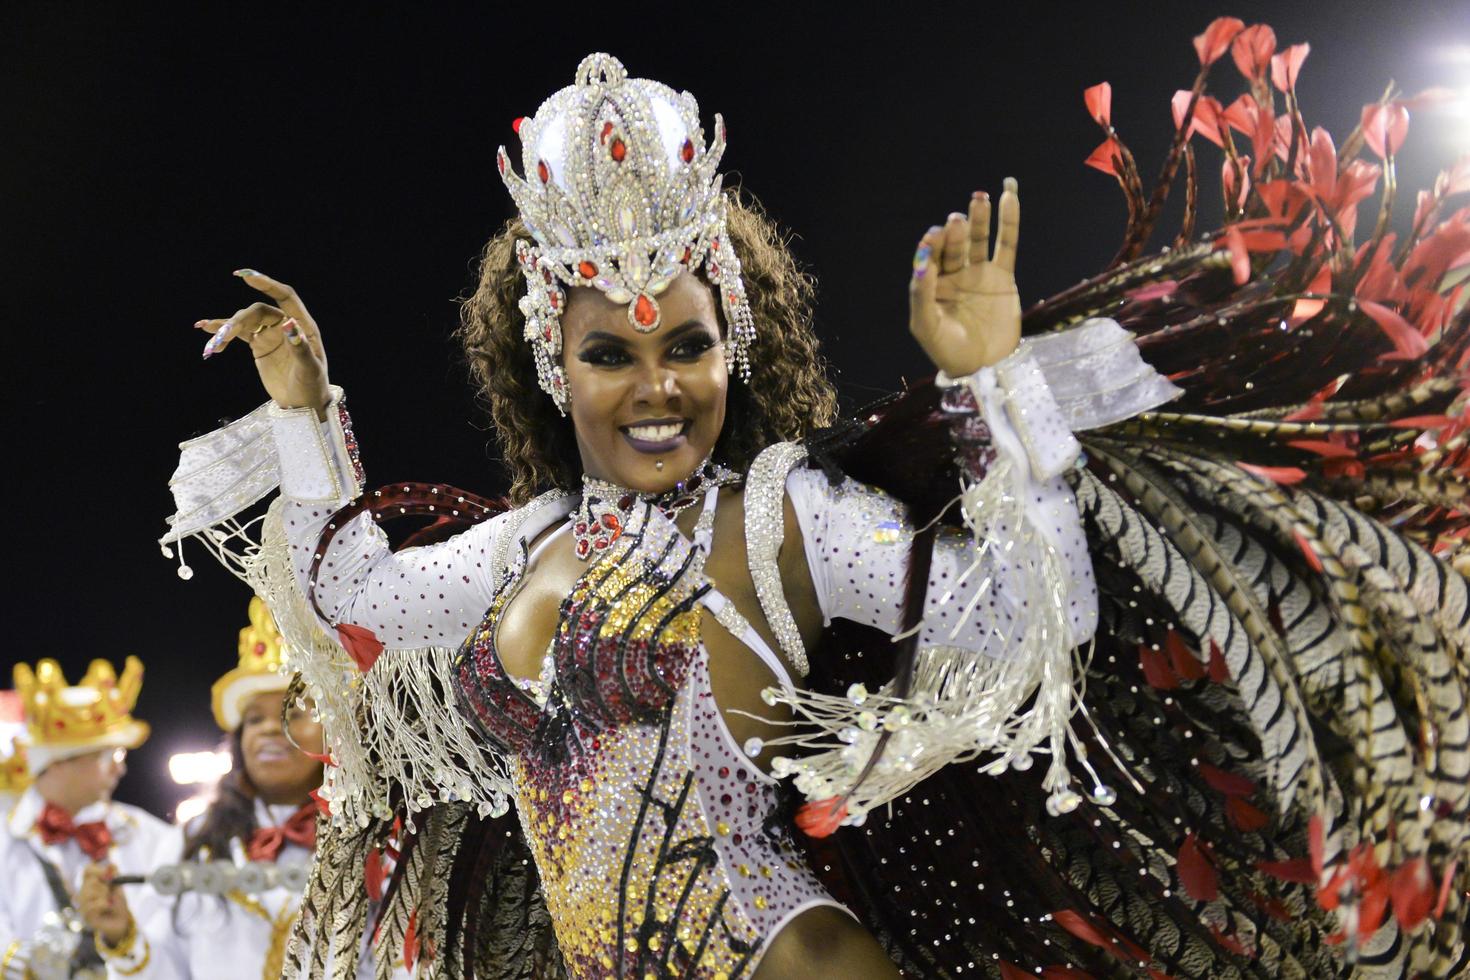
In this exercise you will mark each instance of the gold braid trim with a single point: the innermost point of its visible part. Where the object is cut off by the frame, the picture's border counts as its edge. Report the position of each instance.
(281, 926)
(128, 971)
(10, 952)
(124, 945)
(124, 951)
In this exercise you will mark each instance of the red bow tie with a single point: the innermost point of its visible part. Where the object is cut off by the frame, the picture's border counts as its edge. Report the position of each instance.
(266, 843)
(56, 825)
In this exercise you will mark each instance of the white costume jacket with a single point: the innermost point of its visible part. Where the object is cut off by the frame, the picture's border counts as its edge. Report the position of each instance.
(35, 942)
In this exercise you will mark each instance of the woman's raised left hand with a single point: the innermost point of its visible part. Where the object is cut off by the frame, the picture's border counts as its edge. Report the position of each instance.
(964, 308)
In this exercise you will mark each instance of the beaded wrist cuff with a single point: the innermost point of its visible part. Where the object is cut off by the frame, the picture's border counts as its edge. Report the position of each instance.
(319, 460)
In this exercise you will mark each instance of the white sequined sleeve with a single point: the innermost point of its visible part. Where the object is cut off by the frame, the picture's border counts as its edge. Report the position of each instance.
(1007, 606)
(983, 588)
(857, 543)
(428, 596)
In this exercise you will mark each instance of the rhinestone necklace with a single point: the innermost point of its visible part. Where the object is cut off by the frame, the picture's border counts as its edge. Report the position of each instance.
(600, 518)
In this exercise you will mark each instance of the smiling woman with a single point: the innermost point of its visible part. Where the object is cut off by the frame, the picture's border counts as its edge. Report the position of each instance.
(262, 813)
(648, 407)
(767, 695)
(789, 394)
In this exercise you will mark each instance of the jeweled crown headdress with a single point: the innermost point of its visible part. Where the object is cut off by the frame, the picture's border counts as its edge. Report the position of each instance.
(262, 668)
(622, 194)
(64, 719)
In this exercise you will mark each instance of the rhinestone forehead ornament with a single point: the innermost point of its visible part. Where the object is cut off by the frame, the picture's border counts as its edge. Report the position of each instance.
(622, 194)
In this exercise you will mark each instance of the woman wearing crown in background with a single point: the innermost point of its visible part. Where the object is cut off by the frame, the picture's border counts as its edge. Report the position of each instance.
(74, 743)
(704, 596)
(262, 812)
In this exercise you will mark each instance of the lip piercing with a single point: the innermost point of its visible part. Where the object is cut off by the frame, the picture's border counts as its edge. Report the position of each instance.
(658, 464)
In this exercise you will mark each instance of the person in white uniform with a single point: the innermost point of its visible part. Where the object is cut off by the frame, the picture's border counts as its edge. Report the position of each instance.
(263, 813)
(75, 743)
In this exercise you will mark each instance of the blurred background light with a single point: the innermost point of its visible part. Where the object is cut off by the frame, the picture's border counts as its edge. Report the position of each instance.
(191, 768)
(189, 809)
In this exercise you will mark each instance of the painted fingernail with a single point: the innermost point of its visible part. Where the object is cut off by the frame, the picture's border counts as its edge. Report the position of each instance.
(242, 273)
(292, 330)
(1011, 185)
(221, 335)
(921, 260)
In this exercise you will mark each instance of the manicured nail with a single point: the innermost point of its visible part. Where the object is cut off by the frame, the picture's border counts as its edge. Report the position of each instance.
(981, 196)
(242, 273)
(292, 330)
(921, 260)
(1011, 185)
(218, 340)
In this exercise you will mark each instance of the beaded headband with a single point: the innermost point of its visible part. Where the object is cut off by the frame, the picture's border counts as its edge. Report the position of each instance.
(621, 194)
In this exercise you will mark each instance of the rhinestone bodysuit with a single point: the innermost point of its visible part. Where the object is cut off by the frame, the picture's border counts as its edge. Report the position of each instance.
(655, 836)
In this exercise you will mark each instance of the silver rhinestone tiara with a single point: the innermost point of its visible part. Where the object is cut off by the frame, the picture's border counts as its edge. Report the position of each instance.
(622, 194)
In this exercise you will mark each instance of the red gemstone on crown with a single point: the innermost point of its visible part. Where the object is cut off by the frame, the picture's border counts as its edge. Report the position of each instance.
(687, 151)
(618, 150)
(543, 171)
(581, 527)
(625, 501)
(500, 162)
(582, 548)
(607, 128)
(601, 544)
(610, 521)
(587, 269)
(546, 333)
(644, 311)
(516, 124)
(714, 270)
(688, 253)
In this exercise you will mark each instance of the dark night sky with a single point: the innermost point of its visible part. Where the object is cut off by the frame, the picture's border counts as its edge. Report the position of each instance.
(147, 152)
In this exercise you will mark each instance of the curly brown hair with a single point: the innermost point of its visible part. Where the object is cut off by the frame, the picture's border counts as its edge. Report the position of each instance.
(788, 395)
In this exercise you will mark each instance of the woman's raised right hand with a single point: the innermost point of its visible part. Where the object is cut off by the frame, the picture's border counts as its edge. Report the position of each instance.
(283, 339)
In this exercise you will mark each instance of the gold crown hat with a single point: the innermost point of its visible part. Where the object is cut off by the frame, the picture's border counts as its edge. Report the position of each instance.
(14, 774)
(262, 668)
(63, 721)
(621, 193)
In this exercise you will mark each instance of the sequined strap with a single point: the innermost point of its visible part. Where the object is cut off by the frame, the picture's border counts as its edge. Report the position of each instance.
(526, 522)
(704, 527)
(765, 529)
(739, 627)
